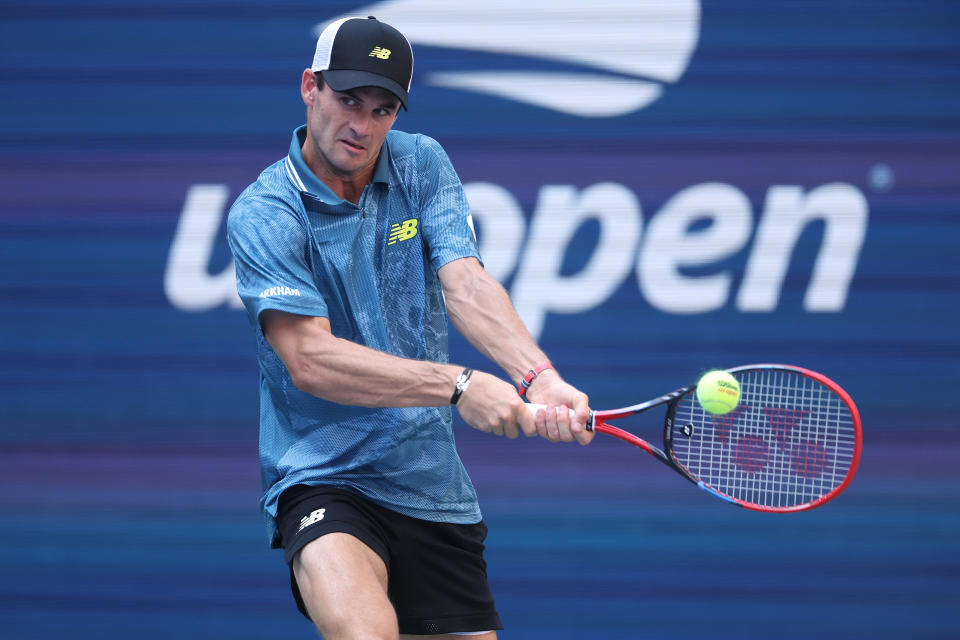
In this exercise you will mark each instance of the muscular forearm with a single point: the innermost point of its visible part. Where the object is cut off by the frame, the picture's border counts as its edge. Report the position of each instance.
(348, 373)
(356, 375)
(481, 311)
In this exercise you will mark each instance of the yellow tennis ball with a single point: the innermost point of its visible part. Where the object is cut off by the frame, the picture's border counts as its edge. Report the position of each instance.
(718, 392)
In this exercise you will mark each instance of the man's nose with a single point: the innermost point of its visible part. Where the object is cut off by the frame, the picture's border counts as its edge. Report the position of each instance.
(360, 124)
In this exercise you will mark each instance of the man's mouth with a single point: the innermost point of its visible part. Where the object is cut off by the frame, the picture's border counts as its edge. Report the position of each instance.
(353, 145)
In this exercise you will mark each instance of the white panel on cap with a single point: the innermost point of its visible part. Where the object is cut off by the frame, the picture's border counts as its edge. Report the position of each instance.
(321, 58)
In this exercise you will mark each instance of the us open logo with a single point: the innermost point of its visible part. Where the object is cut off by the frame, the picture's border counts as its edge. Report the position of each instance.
(582, 61)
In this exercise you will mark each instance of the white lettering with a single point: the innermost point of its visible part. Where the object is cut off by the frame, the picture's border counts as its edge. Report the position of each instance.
(844, 210)
(279, 291)
(670, 244)
(187, 282)
(539, 288)
(673, 245)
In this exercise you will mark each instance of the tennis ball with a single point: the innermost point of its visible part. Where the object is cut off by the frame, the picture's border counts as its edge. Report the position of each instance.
(718, 392)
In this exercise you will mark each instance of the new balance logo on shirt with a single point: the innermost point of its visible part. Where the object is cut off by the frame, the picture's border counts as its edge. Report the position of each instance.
(313, 518)
(402, 231)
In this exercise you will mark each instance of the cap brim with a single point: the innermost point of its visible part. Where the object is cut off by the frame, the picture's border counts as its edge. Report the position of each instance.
(344, 80)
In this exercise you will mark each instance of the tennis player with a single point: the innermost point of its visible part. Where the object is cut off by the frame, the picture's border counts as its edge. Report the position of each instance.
(350, 252)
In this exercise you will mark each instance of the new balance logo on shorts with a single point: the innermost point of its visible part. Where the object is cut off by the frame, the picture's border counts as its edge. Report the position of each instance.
(313, 518)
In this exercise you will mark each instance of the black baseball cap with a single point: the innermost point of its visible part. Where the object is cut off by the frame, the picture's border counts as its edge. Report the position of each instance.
(364, 52)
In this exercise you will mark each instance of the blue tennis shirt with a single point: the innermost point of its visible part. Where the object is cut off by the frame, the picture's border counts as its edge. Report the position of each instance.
(371, 269)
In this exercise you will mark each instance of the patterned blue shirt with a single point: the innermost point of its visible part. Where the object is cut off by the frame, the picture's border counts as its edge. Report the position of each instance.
(371, 269)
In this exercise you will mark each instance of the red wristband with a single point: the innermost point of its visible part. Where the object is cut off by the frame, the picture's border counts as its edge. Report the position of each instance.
(533, 373)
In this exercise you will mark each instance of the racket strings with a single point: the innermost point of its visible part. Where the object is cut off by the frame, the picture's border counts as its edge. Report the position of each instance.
(790, 441)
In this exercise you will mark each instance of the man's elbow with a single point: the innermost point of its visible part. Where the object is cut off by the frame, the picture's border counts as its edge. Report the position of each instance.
(306, 378)
(306, 369)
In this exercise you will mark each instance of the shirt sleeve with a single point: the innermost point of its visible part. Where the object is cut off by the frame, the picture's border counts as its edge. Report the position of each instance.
(445, 213)
(269, 246)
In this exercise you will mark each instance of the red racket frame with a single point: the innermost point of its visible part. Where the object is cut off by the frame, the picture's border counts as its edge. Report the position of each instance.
(599, 422)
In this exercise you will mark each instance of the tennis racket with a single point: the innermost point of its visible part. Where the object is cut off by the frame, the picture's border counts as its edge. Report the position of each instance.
(792, 443)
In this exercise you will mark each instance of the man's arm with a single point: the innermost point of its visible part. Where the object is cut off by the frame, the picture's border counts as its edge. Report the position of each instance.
(481, 310)
(349, 373)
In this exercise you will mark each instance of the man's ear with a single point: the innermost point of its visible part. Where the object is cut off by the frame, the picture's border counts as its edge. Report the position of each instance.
(308, 82)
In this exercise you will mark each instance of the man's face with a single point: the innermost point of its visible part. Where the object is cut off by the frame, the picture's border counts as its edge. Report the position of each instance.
(347, 128)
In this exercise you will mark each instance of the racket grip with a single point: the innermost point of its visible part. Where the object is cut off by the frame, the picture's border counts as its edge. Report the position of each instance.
(533, 408)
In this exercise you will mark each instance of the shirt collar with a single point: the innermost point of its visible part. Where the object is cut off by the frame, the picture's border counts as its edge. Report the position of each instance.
(307, 181)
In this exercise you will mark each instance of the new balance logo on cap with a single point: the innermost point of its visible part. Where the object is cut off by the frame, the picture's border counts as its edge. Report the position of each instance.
(380, 52)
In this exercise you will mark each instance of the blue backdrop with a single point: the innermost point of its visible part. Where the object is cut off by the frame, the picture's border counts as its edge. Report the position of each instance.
(663, 188)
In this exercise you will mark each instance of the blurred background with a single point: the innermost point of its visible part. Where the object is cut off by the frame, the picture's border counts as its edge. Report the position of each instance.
(663, 187)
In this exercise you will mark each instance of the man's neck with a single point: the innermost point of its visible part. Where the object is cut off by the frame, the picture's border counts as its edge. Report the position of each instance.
(349, 189)
(347, 186)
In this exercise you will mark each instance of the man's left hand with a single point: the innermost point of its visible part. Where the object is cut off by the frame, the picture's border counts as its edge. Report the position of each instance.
(554, 422)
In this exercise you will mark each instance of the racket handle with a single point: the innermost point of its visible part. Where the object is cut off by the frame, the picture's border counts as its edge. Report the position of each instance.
(533, 408)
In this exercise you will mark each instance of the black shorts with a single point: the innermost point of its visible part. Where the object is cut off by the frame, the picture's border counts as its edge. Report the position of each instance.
(437, 577)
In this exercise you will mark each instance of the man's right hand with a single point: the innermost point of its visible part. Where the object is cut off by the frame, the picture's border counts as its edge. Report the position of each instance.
(492, 405)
